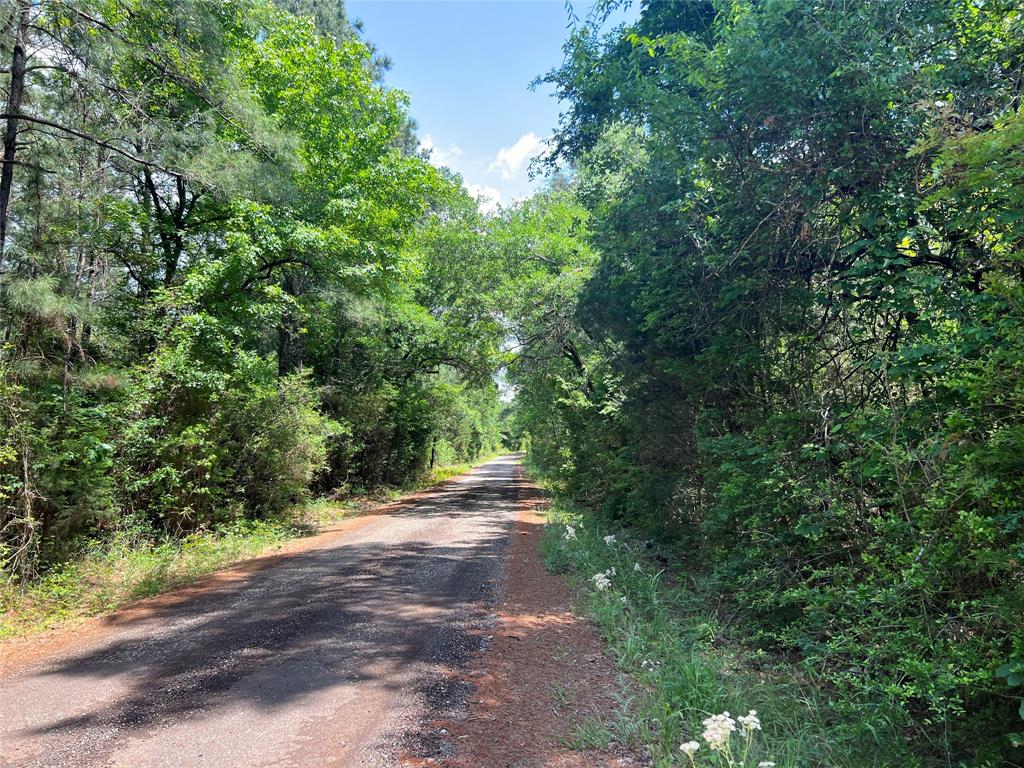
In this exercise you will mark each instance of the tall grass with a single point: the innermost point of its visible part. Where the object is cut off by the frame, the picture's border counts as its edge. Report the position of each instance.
(128, 565)
(686, 668)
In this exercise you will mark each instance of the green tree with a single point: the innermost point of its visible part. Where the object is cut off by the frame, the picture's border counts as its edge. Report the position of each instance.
(805, 219)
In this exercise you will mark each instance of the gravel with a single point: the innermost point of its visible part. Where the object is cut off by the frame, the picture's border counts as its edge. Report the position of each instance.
(338, 655)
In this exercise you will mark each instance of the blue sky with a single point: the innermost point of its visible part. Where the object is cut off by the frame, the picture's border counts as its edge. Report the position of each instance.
(467, 66)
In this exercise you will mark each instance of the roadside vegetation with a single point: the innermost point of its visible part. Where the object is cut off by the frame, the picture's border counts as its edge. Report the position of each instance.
(226, 288)
(687, 661)
(130, 565)
(794, 368)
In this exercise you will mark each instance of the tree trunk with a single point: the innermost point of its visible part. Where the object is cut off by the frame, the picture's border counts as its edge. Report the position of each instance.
(19, 29)
(26, 547)
(290, 346)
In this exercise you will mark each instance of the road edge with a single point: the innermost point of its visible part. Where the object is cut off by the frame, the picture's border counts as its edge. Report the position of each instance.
(23, 650)
(538, 648)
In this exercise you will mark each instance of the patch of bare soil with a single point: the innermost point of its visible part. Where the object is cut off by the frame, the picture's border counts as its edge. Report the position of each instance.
(543, 673)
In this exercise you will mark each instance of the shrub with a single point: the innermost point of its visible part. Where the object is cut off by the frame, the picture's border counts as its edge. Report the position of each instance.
(205, 447)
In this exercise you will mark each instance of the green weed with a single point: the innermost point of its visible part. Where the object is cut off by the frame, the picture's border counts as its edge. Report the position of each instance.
(687, 669)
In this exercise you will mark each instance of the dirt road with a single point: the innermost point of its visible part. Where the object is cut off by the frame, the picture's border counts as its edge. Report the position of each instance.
(334, 655)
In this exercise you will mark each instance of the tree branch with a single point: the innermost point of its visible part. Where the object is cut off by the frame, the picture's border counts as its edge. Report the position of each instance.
(94, 140)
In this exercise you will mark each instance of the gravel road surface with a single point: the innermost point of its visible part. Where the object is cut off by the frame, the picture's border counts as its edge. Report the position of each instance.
(336, 655)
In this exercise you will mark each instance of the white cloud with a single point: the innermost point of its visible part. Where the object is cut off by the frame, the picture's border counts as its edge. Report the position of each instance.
(439, 155)
(493, 179)
(510, 160)
(487, 198)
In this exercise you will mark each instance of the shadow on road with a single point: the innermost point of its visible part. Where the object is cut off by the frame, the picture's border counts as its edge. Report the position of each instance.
(368, 612)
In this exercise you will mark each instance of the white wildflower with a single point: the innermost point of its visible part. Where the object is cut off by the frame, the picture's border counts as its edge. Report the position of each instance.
(624, 600)
(570, 533)
(766, 764)
(636, 567)
(750, 722)
(689, 748)
(611, 571)
(601, 581)
(717, 730)
(610, 540)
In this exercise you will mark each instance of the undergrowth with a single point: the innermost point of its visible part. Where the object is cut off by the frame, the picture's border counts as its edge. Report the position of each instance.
(128, 565)
(672, 642)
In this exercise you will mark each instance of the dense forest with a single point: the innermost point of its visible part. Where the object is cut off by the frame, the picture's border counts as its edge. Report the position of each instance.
(223, 279)
(798, 356)
(767, 313)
